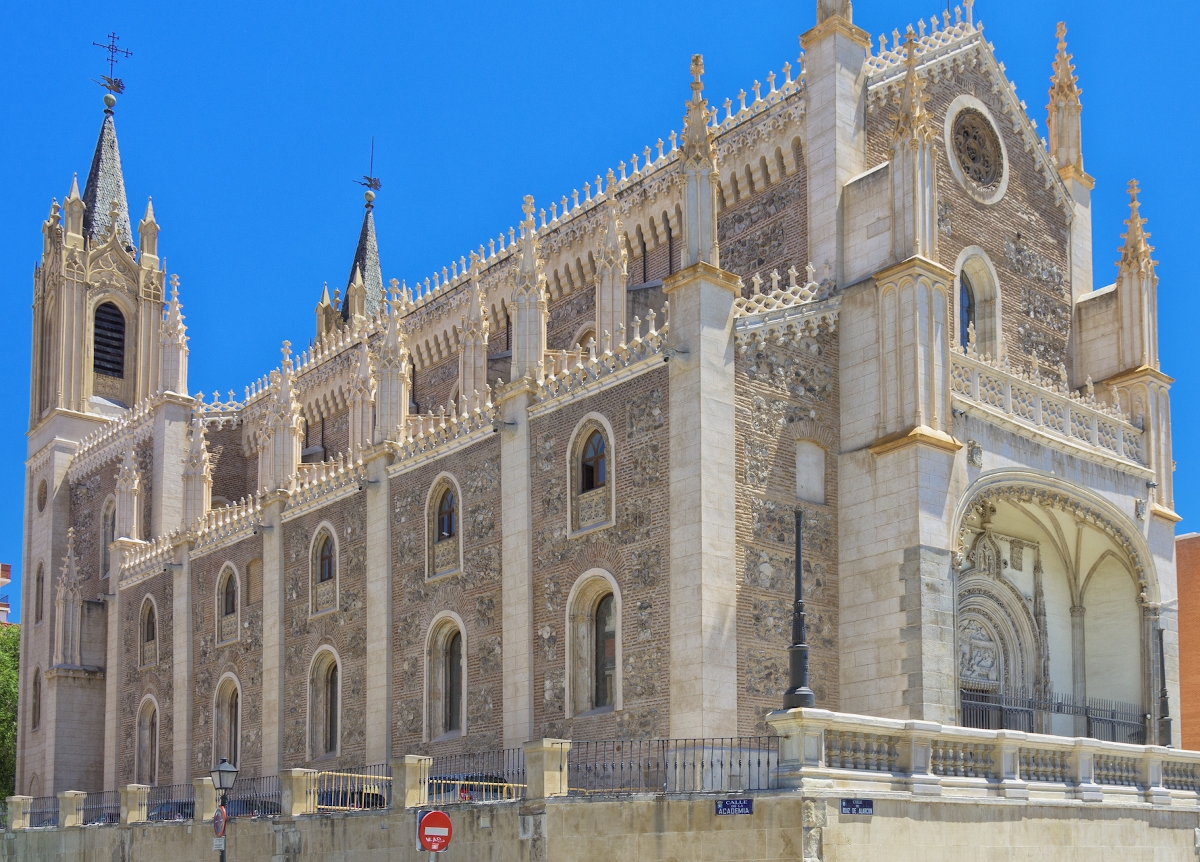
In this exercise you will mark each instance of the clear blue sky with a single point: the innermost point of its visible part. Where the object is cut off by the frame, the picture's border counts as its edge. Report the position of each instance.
(248, 123)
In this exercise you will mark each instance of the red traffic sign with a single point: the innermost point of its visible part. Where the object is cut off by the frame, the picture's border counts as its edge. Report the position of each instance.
(219, 821)
(434, 831)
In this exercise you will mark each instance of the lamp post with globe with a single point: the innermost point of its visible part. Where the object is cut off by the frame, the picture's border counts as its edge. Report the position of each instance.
(223, 776)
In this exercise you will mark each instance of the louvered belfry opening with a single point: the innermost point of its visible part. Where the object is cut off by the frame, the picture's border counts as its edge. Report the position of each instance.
(108, 348)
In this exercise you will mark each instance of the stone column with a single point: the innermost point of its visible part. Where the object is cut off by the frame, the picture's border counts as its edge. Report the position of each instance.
(546, 767)
(410, 781)
(273, 625)
(70, 808)
(1079, 666)
(206, 799)
(835, 144)
(703, 588)
(517, 563)
(181, 663)
(18, 812)
(297, 792)
(134, 801)
(379, 611)
(171, 420)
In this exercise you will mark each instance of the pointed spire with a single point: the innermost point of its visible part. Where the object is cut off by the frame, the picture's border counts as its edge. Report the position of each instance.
(197, 475)
(366, 260)
(1062, 113)
(173, 349)
(128, 494)
(913, 119)
(148, 235)
(104, 192)
(699, 166)
(529, 311)
(612, 269)
(73, 210)
(1136, 251)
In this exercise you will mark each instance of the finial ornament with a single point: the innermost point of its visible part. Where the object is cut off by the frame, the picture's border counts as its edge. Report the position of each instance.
(1062, 112)
(369, 181)
(113, 84)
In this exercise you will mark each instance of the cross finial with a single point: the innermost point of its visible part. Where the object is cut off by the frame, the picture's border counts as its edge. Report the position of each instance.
(369, 181)
(527, 206)
(113, 85)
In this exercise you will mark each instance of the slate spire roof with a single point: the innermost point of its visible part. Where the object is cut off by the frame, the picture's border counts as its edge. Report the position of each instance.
(366, 260)
(106, 184)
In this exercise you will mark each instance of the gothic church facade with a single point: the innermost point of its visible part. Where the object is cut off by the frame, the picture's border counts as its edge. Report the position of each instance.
(550, 491)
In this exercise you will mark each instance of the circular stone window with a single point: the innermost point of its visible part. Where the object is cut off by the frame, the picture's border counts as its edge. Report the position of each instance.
(977, 148)
(41, 495)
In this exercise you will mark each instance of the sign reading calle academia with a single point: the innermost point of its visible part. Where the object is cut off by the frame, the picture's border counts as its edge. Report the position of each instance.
(735, 806)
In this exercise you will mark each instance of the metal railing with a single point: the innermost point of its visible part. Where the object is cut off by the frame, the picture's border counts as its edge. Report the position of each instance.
(1108, 720)
(255, 797)
(356, 789)
(43, 811)
(486, 776)
(671, 765)
(3, 816)
(102, 807)
(171, 802)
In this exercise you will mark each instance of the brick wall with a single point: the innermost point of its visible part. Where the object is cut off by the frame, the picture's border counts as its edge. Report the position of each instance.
(473, 594)
(634, 548)
(155, 679)
(243, 657)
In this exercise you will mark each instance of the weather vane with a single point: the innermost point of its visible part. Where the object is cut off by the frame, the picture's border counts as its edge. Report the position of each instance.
(110, 83)
(369, 180)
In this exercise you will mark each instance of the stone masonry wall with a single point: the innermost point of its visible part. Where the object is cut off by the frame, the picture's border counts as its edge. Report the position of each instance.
(243, 657)
(784, 393)
(634, 548)
(344, 628)
(766, 230)
(154, 679)
(1026, 234)
(473, 593)
(234, 475)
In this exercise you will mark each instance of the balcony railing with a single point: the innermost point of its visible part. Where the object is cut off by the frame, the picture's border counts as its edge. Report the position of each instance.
(102, 807)
(171, 802)
(1057, 714)
(1045, 404)
(43, 811)
(356, 789)
(255, 797)
(485, 776)
(615, 767)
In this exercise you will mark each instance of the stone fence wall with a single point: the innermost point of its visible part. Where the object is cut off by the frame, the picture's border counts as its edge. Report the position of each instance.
(930, 793)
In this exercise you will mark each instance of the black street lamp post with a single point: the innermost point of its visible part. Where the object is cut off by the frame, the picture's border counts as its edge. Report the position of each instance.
(798, 693)
(223, 776)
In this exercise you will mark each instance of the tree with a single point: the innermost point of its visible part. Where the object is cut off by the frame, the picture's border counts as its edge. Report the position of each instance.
(10, 659)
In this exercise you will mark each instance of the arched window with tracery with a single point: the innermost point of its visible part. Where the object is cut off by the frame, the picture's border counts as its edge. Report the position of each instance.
(445, 544)
(149, 639)
(147, 743)
(227, 720)
(591, 480)
(324, 688)
(966, 310)
(228, 626)
(446, 680)
(324, 572)
(593, 645)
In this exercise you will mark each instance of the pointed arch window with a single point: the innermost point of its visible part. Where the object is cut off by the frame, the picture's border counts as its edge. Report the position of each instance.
(453, 676)
(147, 744)
(228, 603)
(590, 474)
(592, 464)
(35, 718)
(149, 639)
(966, 309)
(447, 516)
(108, 534)
(605, 639)
(108, 341)
(324, 572)
(227, 723)
(324, 687)
(39, 594)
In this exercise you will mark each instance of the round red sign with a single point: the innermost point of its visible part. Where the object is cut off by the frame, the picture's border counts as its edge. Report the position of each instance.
(434, 831)
(219, 822)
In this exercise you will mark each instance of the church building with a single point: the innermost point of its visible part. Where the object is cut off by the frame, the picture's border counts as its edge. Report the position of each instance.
(549, 491)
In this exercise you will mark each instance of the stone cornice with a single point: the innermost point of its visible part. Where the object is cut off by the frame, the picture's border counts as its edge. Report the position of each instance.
(701, 270)
(835, 24)
(917, 435)
(1137, 374)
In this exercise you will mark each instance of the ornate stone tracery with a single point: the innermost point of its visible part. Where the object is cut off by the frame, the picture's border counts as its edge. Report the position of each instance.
(977, 148)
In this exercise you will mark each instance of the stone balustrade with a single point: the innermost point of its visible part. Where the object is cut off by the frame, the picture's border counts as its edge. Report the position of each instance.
(1046, 406)
(860, 754)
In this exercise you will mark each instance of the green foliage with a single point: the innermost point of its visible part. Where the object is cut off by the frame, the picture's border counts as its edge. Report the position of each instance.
(10, 659)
